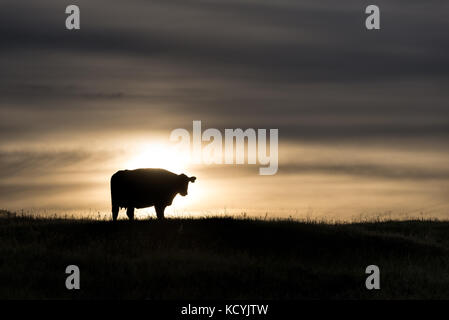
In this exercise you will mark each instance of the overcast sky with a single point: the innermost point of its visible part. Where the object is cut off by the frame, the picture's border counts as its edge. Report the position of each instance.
(355, 109)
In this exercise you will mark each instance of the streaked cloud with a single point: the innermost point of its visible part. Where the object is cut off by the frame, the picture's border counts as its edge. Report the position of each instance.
(71, 102)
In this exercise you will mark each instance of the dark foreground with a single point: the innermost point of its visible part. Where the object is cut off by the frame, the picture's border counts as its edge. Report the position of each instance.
(222, 258)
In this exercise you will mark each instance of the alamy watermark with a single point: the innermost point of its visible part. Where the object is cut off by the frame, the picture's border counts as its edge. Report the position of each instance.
(373, 280)
(230, 149)
(72, 22)
(73, 280)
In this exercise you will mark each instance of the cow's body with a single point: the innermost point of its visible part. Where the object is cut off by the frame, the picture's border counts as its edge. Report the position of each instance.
(142, 188)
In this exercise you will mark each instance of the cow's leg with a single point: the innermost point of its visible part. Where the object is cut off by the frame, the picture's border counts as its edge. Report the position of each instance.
(160, 211)
(130, 213)
(115, 212)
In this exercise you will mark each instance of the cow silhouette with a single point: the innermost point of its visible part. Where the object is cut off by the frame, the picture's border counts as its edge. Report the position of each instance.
(142, 188)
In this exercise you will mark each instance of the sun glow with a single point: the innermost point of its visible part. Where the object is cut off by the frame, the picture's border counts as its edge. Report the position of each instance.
(158, 155)
(169, 157)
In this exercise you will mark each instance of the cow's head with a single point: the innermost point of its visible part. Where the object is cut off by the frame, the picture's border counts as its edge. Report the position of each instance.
(184, 184)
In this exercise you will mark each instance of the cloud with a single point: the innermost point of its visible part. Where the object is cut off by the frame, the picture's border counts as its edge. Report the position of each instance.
(143, 68)
(265, 42)
(373, 171)
(209, 57)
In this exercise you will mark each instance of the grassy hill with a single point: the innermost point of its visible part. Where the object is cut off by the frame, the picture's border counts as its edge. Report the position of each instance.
(222, 258)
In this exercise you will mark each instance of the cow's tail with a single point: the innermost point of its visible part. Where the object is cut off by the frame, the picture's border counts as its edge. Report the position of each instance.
(114, 197)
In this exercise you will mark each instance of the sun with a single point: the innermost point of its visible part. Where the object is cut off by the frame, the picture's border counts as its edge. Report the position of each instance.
(169, 157)
(158, 155)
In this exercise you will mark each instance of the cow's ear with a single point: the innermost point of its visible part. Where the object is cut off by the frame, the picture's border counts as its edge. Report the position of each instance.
(192, 179)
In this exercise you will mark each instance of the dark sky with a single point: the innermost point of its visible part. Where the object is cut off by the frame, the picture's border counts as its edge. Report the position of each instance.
(309, 68)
